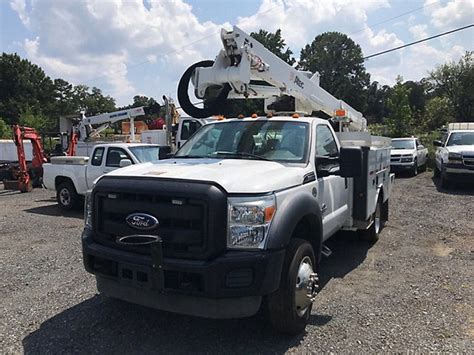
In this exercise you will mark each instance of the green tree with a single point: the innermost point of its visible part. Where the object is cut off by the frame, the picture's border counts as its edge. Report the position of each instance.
(274, 43)
(377, 96)
(92, 101)
(417, 97)
(438, 112)
(36, 121)
(23, 86)
(339, 61)
(400, 117)
(5, 130)
(456, 82)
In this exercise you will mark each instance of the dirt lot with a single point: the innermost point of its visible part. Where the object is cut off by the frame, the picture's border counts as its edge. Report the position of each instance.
(412, 291)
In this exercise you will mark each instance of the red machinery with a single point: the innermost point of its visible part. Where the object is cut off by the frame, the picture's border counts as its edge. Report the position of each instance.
(23, 176)
(71, 148)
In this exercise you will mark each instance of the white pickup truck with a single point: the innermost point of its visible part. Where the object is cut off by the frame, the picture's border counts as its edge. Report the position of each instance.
(454, 156)
(408, 154)
(236, 218)
(73, 176)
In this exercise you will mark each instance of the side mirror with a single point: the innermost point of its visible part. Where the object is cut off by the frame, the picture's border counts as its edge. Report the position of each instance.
(350, 162)
(326, 166)
(437, 143)
(125, 162)
(421, 147)
(164, 152)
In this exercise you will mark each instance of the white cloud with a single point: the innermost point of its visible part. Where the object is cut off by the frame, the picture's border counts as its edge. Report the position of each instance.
(419, 31)
(455, 13)
(20, 7)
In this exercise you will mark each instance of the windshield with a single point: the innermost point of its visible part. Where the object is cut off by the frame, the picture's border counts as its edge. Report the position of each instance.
(403, 144)
(283, 141)
(146, 154)
(461, 138)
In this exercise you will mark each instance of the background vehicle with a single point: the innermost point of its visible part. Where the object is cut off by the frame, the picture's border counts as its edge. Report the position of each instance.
(408, 154)
(240, 215)
(73, 176)
(454, 157)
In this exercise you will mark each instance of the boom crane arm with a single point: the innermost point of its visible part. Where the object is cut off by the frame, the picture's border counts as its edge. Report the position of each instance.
(244, 59)
(105, 119)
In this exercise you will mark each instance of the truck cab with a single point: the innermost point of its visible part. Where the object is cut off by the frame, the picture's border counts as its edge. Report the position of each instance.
(71, 177)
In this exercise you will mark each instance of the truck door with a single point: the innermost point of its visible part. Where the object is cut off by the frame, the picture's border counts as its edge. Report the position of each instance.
(95, 166)
(187, 127)
(333, 192)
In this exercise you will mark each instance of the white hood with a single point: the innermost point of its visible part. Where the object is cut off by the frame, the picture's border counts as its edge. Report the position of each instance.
(460, 148)
(234, 175)
(401, 151)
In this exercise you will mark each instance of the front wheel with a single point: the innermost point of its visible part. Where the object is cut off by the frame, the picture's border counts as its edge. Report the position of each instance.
(414, 171)
(290, 306)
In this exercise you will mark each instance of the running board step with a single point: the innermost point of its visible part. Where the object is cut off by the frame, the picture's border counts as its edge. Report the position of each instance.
(326, 251)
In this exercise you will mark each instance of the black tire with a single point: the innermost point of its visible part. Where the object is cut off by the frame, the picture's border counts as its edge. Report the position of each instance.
(283, 313)
(213, 107)
(372, 233)
(66, 195)
(414, 171)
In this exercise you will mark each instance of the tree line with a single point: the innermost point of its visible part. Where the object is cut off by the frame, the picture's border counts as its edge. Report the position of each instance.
(29, 97)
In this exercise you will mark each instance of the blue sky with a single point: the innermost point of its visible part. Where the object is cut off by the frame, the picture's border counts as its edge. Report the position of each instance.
(129, 47)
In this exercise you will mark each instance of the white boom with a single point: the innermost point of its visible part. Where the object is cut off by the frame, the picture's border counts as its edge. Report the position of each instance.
(243, 58)
(105, 119)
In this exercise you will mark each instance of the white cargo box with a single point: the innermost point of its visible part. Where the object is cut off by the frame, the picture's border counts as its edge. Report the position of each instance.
(155, 136)
(70, 160)
(8, 150)
(458, 126)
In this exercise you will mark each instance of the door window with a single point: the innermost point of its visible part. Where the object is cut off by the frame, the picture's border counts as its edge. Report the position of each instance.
(114, 156)
(188, 129)
(97, 156)
(325, 142)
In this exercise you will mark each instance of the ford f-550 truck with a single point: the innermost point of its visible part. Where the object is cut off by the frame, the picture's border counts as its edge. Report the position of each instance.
(239, 216)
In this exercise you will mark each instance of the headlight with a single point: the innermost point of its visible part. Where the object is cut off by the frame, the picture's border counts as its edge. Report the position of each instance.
(249, 220)
(88, 209)
(454, 157)
(407, 158)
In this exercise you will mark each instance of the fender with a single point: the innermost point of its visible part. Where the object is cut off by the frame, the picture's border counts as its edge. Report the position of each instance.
(292, 211)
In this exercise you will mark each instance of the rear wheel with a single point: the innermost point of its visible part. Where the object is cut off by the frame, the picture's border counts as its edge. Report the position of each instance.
(372, 233)
(67, 196)
(289, 308)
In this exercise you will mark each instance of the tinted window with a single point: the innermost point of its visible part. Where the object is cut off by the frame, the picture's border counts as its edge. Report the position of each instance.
(114, 155)
(97, 157)
(461, 138)
(188, 129)
(402, 144)
(325, 142)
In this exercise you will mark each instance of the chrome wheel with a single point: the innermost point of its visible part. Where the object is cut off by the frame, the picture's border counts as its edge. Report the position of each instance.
(306, 286)
(377, 217)
(65, 196)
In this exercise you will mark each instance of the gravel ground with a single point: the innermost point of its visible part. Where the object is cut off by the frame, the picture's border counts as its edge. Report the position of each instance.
(410, 292)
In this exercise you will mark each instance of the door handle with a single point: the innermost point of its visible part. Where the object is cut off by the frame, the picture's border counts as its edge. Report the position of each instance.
(323, 208)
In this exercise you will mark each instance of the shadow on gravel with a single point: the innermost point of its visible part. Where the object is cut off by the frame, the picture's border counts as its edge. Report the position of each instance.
(348, 252)
(104, 325)
(9, 192)
(456, 188)
(54, 210)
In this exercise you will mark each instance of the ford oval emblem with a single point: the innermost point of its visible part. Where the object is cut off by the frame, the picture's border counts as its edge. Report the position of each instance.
(142, 221)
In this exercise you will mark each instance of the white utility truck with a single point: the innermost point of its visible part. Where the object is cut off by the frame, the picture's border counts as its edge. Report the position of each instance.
(408, 154)
(73, 176)
(239, 216)
(454, 157)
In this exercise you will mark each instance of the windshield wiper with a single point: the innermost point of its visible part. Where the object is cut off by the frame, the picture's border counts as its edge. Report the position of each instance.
(189, 157)
(240, 154)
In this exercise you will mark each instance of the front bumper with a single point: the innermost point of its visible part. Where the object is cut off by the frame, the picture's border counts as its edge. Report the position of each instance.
(402, 166)
(459, 172)
(229, 286)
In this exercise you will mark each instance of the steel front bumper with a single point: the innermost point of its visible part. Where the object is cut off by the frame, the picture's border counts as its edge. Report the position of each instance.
(229, 286)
